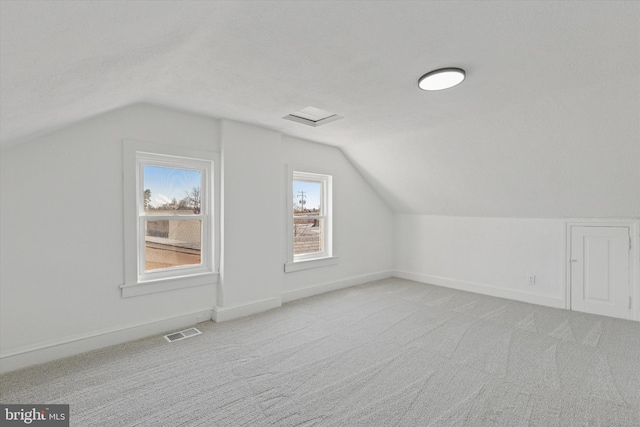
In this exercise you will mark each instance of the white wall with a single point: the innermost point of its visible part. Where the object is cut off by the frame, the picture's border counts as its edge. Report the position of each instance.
(254, 223)
(62, 233)
(494, 256)
(362, 223)
(252, 215)
(62, 236)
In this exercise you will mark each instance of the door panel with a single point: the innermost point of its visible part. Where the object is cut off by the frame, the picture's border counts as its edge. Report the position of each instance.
(600, 271)
(597, 275)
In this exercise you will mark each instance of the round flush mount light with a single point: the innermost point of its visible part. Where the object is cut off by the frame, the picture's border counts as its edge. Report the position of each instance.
(444, 78)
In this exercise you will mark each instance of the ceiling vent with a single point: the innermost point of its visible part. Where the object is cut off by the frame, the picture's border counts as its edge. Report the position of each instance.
(177, 336)
(312, 116)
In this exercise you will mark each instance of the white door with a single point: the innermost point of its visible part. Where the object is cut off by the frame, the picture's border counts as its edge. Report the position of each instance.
(600, 271)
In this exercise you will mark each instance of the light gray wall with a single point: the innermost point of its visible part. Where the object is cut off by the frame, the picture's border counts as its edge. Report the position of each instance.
(62, 231)
(362, 225)
(494, 256)
(252, 214)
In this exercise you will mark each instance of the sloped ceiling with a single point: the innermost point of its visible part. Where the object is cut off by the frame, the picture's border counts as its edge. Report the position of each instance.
(547, 123)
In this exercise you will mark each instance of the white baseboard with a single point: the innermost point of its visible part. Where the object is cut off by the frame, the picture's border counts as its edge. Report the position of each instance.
(333, 286)
(32, 355)
(480, 288)
(222, 314)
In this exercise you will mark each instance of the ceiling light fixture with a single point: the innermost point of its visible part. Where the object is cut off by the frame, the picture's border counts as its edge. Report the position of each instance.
(444, 78)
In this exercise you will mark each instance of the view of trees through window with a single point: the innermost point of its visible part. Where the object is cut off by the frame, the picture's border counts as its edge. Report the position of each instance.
(175, 239)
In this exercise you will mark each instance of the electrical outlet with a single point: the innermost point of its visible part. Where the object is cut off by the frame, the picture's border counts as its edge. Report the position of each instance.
(531, 280)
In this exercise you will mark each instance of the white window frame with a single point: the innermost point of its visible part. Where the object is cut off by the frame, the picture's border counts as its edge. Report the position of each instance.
(137, 155)
(205, 168)
(317, 259)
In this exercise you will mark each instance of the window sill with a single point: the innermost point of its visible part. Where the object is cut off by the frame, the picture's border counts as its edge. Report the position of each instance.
(168, 284)
(310, 263)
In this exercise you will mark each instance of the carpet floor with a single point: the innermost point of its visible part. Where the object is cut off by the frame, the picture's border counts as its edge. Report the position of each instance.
(388, 353)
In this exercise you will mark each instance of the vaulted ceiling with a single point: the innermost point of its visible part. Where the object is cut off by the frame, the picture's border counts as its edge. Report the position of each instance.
(547, 123)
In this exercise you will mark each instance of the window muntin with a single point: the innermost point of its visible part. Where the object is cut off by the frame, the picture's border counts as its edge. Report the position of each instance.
(174, 224)
(311, 216)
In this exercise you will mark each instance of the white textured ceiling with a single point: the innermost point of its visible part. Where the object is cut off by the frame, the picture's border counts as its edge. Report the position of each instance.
(546, 125)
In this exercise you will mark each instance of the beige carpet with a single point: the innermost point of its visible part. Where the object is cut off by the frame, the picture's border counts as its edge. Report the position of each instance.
(389, 353)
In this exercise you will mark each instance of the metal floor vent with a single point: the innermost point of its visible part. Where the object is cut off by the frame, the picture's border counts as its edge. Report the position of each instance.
(177, 336)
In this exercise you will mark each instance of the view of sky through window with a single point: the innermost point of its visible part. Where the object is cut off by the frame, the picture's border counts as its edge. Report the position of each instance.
(309, 192)
(167, 184)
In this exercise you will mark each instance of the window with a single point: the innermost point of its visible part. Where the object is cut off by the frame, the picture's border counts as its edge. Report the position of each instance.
(310, 228)
(169, 221)
(172, 195)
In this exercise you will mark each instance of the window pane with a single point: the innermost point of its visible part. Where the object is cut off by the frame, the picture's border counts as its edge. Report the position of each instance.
(171, 191)
(307, 236)
(172, 243)
(307, 197)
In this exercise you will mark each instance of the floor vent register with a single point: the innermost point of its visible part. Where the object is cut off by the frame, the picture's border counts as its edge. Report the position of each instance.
(177, 336)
